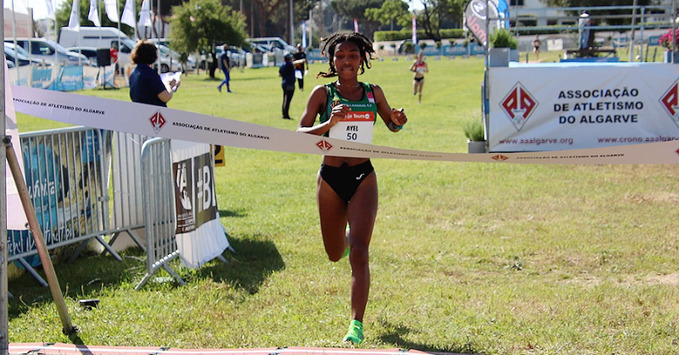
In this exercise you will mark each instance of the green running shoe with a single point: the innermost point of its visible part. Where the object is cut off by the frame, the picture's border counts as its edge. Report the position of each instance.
(355, 333)
(346, 251)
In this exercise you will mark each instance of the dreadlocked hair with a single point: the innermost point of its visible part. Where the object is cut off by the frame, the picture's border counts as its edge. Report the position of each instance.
(330, 43)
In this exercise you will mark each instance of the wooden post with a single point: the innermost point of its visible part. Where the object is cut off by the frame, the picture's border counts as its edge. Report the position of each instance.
(39, 239)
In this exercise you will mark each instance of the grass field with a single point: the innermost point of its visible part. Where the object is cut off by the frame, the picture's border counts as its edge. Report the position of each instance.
(465, 257)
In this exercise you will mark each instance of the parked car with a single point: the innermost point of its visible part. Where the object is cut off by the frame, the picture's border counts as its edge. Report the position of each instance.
(275, 43)
(166, 52)
(236, 56)
(49, 51)
(20, 57)
(89, 52)
(163, 45)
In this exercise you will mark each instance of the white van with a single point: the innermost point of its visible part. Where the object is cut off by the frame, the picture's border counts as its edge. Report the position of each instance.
(97, 37)
(106, 37)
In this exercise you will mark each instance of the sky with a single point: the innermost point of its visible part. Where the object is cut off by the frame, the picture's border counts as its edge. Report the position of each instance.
(40, 7)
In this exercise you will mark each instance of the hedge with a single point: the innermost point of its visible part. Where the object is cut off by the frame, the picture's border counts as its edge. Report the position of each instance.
(408, 34)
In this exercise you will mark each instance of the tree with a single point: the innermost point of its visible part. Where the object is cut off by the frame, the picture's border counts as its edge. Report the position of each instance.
(356, 9)
(429, 19)
(198, 25)
(267, 9)
(437, 14)
(392, 11)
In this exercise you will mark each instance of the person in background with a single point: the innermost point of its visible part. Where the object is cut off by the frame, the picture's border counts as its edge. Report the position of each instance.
(346, 190)
(300, 63)
(224, 65)
(583, 30)
(145, 84)
(419, 66)
(287, 74)
(536, 47)
(114, 56)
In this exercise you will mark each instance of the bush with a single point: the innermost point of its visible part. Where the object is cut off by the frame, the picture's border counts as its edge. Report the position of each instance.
(502, 38)
(407, 34)
(473, 130)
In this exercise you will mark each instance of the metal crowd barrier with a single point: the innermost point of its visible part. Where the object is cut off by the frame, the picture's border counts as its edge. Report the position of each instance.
(128, 207)
(159, 212)
(66, 174)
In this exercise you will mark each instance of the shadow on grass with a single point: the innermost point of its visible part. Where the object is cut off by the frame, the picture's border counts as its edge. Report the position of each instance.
(247, 268)
(81, 279)
(255, 259)
(227, 213)
(394, 335)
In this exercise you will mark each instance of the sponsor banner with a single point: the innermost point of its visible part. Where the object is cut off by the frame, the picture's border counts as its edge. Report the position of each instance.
(59, 171)
(200, 236)
(165, 122)
(552, 108)
(41, 77)
(70, 79)
(476, 16)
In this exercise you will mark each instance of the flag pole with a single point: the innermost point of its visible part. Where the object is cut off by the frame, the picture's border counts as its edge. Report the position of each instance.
(4, 290)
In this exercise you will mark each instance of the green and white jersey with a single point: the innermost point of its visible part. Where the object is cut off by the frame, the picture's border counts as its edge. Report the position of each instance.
(359, 123)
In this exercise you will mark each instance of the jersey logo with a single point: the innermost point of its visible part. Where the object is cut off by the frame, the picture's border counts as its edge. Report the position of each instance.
(358, 116)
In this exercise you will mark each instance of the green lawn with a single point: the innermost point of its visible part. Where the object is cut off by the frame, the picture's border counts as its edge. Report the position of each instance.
(465, 257)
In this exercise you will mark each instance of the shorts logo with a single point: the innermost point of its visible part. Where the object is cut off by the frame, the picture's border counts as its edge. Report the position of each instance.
(324, 145)
(157, 121)
(519, 104)
(670, 101)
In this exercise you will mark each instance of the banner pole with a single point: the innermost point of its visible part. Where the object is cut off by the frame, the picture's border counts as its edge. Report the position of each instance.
(34, 226)
(4, 289)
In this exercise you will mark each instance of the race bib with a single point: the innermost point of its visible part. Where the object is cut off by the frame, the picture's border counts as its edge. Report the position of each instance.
(355, 127)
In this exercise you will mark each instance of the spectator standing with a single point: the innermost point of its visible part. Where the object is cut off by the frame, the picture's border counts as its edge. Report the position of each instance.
(224, 65)
(114, 55)
(287, 74)
(145, 83)
(583, 30)
(300, 62)
(536, 47)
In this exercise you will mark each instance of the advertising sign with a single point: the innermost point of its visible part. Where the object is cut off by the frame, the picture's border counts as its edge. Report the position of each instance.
(200, 235)
(553, 108)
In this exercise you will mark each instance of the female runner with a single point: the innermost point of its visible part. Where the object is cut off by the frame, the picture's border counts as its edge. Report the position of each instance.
(419, 66)
(347, 187)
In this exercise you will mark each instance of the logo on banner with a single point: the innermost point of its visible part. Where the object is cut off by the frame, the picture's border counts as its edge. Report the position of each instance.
(157, 121)
(519, 104)
(670, 101)
(324, 145)
(500, 157)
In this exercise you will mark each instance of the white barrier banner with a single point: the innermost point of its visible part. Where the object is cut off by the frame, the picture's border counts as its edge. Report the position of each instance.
(574, 106)
(200, 235)
(16, 217)
(165, 122)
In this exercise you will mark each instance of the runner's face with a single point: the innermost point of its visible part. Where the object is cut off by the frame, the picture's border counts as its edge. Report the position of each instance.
(347, 59)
